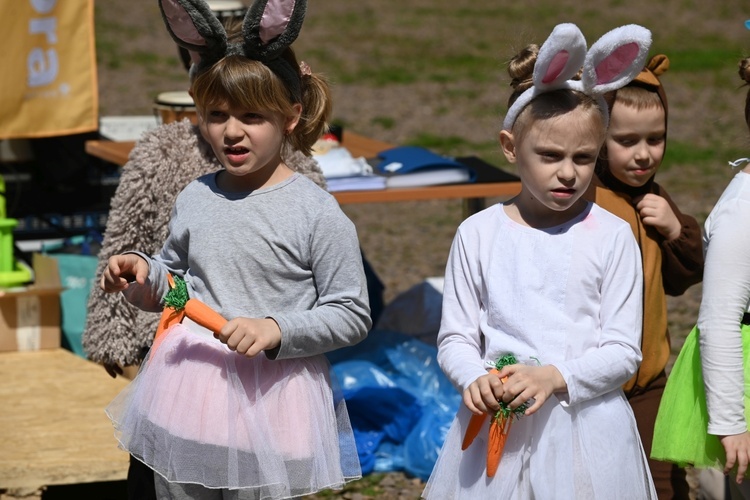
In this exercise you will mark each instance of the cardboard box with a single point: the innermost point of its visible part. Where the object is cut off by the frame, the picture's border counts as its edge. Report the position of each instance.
(30, 315)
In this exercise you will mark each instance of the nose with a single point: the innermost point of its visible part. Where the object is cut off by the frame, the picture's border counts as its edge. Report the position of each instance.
(567, 171)
(641, 151)
(232, 128)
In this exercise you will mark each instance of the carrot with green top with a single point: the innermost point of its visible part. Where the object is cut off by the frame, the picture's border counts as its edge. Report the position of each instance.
(168, 318)
(178, 299)
(476, 422)
(499, 426)
(178, 305)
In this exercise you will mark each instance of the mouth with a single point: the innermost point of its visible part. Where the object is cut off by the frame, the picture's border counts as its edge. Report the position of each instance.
(563, 192)
(641, 171)
(236, 153)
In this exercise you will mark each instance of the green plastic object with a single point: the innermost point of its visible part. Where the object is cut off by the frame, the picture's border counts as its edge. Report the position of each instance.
(11, 272)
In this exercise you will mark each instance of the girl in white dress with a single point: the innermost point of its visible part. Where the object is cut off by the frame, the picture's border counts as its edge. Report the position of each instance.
(704, 416)
(555, 281)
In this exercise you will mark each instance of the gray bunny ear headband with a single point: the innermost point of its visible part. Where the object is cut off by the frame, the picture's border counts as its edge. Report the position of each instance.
(612, 62)
(269, 27)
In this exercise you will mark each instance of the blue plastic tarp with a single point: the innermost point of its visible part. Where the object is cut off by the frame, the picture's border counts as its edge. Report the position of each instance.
(399, 401)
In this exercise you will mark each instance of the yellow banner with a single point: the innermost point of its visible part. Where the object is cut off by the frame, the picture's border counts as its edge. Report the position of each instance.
(48, 68)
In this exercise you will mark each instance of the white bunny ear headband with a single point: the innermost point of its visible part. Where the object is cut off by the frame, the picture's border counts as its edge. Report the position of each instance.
(268, 28)
(612, 62)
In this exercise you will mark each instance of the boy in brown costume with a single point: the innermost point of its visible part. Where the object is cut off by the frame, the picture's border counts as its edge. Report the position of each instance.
(670, 241)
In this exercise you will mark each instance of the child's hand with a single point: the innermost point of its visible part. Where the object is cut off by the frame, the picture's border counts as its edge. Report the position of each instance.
(526, 382)
(483, 394)
(737, 448)
(122, 269)
(113, 369)
(250, 336)
(655, 211)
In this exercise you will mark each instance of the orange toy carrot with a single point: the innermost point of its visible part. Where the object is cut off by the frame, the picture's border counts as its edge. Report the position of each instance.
(499, 426)
(168, 318)
(472, 430)
(476, 422)
(203, 315)
(178, 300)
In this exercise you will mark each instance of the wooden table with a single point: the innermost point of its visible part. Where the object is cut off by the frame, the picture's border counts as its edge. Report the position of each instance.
(474, 194)
(118, 152)
(53, 429)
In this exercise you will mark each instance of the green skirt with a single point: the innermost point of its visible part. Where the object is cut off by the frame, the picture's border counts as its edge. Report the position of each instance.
(680, 432)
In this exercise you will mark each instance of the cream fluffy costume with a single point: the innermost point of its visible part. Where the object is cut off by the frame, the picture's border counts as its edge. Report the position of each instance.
(198, 413)
(569, 296)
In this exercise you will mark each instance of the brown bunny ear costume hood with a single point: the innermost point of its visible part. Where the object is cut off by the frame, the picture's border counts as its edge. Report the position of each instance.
(648, 78)
(163, 162)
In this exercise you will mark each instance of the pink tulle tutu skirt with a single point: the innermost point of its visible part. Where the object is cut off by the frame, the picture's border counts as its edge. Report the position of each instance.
(200, 413)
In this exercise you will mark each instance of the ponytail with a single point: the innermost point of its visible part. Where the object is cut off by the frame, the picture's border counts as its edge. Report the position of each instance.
(316, 113)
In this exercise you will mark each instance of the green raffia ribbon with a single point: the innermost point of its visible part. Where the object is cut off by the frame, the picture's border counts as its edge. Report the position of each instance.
(177, 297)
(505, 411)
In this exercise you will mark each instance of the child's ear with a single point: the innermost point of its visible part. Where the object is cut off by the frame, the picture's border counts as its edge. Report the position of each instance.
(508, 145)
(292, 121)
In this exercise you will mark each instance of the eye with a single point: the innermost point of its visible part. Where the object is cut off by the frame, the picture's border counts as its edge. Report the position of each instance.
(656, 140)
(626, 141)
(549, 156)
(216, 114)
(253, 117)
(584, 159)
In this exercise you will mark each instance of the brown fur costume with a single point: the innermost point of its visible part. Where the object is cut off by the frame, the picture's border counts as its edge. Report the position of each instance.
(162, 163)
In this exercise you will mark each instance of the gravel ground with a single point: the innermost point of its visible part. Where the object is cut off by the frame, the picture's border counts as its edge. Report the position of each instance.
(425, 98)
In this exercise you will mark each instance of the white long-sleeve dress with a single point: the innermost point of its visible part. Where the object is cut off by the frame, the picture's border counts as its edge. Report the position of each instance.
(726, 297)
(707, 394)
(570, 296)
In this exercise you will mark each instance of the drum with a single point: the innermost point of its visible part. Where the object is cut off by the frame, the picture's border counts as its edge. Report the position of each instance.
(228, 11)
(174, 106)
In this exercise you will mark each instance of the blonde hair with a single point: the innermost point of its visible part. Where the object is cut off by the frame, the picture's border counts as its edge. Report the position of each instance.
(645, 91)
(548, 104)
(635, 96)
(245, 83)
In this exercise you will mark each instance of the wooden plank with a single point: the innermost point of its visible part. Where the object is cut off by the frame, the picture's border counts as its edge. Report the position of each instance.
(111, 151)
(53, 429)
(468, 191)
(118, 152)
(358, 145)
